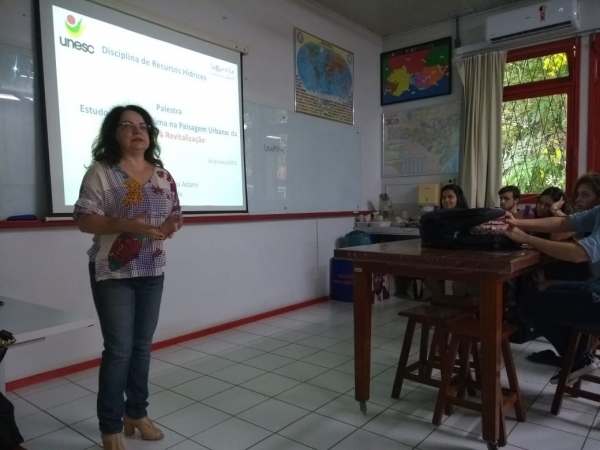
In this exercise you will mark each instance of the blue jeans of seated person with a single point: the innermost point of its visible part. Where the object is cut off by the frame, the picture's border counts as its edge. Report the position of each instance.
(128, 311)
(556, 310)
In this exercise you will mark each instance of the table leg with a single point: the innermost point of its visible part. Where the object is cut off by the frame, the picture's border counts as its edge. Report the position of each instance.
(491, 326)
(362, 336)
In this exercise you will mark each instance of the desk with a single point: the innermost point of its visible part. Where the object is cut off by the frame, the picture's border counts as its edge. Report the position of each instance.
(407, 258)
(31, 323)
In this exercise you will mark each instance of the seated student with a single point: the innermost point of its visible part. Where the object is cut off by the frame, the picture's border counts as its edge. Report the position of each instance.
(587, 192)
(587, 196)
(510, 196)
(557, 273)
(552, 202)
(451, 197)
(554, 312)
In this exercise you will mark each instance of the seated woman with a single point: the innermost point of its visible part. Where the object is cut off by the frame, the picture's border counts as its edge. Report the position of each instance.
(563, 274)
(451, 197)
(587, 192)
(552, 202)
(587, 196)
(555, 311)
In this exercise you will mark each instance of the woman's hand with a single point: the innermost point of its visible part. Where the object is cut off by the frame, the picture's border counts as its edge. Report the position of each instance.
(138, 225)
(517, 235)
(556, 208)
(510, 219)
(172, 225)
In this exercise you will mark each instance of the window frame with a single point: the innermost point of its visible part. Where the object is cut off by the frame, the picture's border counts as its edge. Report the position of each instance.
(568, 85)
(593, 155)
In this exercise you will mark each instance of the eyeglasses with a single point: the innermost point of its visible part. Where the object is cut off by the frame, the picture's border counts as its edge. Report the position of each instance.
(130, 126)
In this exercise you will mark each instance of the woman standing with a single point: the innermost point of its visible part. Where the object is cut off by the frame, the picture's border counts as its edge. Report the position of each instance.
(129, 202)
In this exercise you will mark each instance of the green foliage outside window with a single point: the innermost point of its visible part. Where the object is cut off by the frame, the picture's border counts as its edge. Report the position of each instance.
(534, 130)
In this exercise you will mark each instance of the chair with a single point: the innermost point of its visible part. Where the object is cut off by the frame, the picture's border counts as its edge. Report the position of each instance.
(575, 390)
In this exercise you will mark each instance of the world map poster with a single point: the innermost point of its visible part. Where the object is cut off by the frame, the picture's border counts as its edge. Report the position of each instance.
(324, 78)
(416, 72)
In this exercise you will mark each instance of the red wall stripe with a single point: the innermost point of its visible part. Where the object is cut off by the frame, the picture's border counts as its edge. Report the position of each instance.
(64, 371)
(233, 218)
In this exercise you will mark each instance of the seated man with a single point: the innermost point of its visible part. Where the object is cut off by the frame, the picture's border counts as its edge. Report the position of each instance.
(554, 312)
(510, 196)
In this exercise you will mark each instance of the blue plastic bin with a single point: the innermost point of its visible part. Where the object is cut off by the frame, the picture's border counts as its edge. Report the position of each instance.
(341, 280)
(356, 238)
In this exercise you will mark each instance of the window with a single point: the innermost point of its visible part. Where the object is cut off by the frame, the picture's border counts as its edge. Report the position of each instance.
(539, 115)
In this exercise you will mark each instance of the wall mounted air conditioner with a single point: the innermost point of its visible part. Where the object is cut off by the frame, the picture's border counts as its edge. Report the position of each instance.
(529, 20)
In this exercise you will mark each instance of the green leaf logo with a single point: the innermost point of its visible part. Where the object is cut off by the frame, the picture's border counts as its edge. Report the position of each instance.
(73, 27)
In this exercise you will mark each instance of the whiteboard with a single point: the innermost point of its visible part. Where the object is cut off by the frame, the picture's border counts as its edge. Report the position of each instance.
(314, 166)
(299, 163)
(22, 156)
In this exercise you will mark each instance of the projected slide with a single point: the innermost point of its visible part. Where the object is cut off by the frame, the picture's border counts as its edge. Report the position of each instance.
(193, 97)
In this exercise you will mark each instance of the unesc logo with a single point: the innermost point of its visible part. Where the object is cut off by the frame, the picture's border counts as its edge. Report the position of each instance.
(73, 27)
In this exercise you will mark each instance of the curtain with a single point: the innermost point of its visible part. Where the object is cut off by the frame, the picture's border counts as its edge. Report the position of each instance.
(481, 164)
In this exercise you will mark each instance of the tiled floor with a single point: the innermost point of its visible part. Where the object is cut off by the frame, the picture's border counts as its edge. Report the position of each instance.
(286, 383)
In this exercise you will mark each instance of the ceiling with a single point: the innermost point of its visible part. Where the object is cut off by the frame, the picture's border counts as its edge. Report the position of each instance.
(389, 17)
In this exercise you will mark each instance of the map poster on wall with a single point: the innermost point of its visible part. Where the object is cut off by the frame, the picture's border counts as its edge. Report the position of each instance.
(422, 141)
(324, 78)
(416, 72)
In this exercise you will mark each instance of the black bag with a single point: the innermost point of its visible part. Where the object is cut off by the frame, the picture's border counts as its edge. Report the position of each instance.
(454, 228)
(9, 432)
(10, 437)
(6, 339)
(525, 331)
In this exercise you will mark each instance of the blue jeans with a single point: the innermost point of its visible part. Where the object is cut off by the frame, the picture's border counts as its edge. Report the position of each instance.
(128, 312)
(556, 310)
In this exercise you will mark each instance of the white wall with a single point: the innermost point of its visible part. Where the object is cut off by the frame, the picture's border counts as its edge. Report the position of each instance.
(403, 190)
(219, 272)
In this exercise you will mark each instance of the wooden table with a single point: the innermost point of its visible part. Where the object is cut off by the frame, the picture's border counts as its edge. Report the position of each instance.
(407, 258)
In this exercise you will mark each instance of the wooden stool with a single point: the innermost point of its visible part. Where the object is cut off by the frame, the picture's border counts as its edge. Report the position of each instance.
(466, 334)
(428, 316)
(575, 390)
(468, 304)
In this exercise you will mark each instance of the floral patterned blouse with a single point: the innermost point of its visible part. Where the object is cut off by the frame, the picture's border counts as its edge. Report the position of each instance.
(109, 191)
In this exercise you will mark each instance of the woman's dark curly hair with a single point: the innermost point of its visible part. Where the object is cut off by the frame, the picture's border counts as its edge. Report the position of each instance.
(592, 180)
(106, 148)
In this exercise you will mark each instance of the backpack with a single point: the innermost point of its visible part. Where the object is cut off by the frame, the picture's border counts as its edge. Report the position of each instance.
(474, 229)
